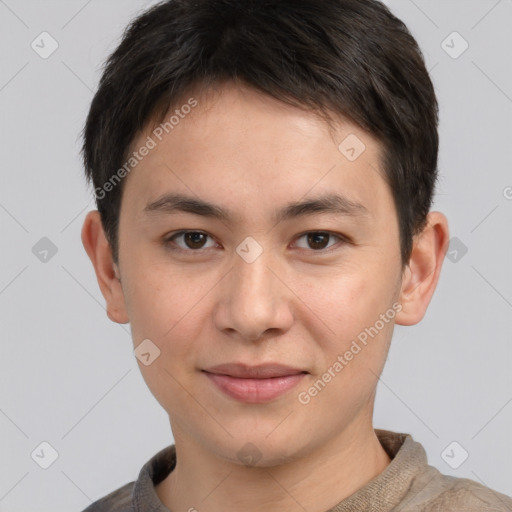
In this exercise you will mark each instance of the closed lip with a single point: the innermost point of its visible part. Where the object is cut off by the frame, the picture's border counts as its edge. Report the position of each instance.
(262, 371)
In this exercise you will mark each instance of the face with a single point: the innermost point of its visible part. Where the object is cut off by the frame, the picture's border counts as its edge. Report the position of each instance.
(255, 287)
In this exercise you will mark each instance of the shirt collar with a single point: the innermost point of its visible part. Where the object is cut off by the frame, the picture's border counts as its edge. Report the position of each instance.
(381, 494)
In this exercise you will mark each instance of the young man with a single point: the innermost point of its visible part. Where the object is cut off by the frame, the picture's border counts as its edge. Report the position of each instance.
(264, 171)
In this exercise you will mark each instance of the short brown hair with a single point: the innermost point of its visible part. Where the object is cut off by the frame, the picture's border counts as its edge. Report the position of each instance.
(351, 58)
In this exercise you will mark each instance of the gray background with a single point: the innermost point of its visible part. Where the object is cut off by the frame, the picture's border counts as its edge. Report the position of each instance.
(67, 373)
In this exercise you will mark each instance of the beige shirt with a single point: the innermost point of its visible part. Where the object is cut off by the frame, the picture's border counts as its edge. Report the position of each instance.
(407, 484)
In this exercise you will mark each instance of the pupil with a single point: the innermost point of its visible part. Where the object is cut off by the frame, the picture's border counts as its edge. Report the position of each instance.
(313, 239)
(194, 236)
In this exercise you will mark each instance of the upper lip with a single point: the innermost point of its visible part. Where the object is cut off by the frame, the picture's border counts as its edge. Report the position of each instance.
(262, 371)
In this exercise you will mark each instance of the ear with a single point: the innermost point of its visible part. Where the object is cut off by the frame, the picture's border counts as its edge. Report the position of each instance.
(107, 273)
(420, 277)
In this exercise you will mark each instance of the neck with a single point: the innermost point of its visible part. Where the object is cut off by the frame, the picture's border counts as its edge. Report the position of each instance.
(315, 482)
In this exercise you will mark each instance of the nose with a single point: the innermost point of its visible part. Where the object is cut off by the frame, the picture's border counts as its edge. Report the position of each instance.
(254, 301)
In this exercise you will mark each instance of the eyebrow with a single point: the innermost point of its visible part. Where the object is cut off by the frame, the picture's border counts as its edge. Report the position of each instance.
(331, 203)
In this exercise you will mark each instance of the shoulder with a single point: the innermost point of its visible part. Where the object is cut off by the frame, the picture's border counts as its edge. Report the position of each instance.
(119, 500)
(436, 492)
(140, 494)
(420, 487)
(471, 496)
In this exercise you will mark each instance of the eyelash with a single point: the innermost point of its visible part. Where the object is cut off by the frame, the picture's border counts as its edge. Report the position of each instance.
(169, 241)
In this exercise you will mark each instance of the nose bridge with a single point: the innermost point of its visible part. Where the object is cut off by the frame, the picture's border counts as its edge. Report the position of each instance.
(252, 281)
(254, 298)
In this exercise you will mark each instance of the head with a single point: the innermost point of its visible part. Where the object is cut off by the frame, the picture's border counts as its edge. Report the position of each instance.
(248, 108)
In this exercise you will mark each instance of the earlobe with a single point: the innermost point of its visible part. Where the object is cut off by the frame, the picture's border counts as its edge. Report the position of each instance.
(107, 273)
(421, 274)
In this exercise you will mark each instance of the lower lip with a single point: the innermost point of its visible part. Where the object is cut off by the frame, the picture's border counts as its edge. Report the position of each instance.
(255, 391)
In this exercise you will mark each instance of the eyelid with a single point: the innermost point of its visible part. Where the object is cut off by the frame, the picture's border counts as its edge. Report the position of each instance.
(169, 240)
(342, 239)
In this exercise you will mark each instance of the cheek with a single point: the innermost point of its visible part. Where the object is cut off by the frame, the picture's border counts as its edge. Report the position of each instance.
(348, 309)
(343, 300)
(168, 308)
(150, 302)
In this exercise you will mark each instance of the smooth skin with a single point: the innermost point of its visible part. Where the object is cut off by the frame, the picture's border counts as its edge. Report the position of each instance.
(299, 304)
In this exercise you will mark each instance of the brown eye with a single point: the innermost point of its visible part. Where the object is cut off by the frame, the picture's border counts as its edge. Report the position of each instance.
(318, 240)
(192, 240)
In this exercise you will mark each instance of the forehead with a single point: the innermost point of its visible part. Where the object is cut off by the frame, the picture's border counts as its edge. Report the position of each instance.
(242, 149)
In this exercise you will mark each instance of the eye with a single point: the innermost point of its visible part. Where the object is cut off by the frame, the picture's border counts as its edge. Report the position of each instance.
(195, 240)
(317, 239)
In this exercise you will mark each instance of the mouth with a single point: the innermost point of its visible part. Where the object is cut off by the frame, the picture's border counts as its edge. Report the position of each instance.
(254, 384)
(262, 371)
